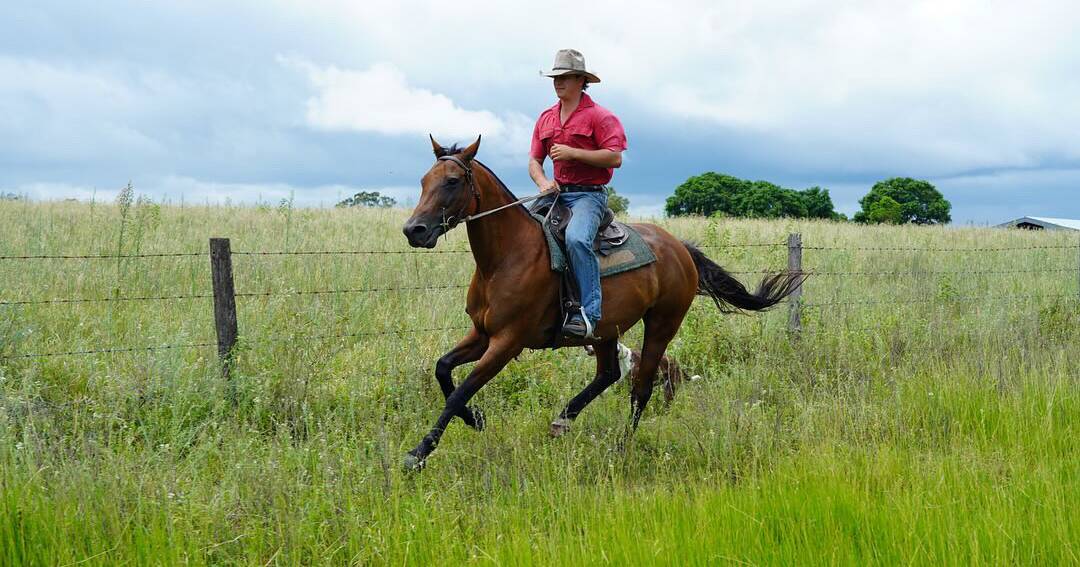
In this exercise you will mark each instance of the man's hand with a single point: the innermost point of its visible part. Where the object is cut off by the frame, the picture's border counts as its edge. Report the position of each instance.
(562, 152)
(548, 185)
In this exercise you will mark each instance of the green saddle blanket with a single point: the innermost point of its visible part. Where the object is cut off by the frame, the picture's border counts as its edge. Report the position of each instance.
(631, 254)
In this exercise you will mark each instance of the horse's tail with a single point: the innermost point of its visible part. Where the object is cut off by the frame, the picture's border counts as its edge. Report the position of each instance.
(730, 294)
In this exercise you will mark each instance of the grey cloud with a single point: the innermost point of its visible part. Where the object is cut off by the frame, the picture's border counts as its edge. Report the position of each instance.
(828, 94)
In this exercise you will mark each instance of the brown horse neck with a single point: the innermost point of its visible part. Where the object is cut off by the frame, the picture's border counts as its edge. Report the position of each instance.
(508, 235)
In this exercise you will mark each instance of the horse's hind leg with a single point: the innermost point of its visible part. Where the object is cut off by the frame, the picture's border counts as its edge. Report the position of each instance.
(607, 373)
(660, 328)
(469, 349)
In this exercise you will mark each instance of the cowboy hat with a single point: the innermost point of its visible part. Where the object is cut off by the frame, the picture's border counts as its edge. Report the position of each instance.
(571, 62)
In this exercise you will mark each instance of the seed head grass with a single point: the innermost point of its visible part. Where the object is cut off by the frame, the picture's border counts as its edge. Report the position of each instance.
(934, 422)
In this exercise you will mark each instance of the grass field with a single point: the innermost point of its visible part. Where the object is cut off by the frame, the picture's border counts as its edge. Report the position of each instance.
(938, 432)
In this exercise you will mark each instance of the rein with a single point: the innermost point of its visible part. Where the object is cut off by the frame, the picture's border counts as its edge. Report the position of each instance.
(453, 221)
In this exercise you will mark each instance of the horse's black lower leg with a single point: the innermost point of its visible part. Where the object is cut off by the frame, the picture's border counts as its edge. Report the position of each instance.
(493, 360)
(659, 331)
(470, 349)
(607, 373)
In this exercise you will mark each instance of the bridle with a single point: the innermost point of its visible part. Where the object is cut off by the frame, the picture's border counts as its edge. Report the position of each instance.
(454, 220)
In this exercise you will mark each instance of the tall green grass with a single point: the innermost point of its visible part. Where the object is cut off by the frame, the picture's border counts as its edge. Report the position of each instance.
(937, 430)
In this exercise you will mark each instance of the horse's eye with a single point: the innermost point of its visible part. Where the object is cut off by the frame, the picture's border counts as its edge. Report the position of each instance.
(452, 180)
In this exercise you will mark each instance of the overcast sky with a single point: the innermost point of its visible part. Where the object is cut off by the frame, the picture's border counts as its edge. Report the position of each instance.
(260, 100)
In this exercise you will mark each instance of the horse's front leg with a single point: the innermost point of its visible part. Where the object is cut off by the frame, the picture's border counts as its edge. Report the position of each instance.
(469, 349)
(607, 373)
(497, 355)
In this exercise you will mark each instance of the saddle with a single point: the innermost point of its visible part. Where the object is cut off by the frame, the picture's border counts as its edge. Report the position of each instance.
(556, 217)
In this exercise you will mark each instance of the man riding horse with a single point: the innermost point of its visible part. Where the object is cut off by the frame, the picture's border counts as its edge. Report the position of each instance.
(585, 142)
(514, 297)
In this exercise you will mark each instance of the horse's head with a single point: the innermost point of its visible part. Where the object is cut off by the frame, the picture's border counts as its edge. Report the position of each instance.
(448, 194)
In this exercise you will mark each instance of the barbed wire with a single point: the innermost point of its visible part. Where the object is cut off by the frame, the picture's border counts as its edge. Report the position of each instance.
(104, 299)
(57, 301)
(743, 245)
(912, 249)
(465, 251)
(1004, 297)
(357, 290)
(101, 256)
(345, 252)
(942, 272)
(119, 349)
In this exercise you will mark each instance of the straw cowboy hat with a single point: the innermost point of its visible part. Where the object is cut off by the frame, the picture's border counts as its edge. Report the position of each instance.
(571, 62)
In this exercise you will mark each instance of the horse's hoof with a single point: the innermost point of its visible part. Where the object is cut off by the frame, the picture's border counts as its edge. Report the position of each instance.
(560, 426)
(479, 421)
(413, 463)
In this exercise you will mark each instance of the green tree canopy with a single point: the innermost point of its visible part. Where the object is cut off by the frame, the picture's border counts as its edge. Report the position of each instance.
(903, 200)
(617, 203)
(711, 193)
(368, 199)
(886, 210)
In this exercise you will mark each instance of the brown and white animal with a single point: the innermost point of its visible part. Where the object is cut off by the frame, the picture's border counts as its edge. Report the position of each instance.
(669, 374)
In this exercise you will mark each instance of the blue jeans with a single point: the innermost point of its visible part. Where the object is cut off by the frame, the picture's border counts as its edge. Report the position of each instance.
(580, 233)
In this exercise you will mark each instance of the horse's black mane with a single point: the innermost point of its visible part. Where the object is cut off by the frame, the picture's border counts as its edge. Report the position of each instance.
(456, 149)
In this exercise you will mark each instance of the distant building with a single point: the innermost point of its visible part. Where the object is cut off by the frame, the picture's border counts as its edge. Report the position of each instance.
(1042, 223)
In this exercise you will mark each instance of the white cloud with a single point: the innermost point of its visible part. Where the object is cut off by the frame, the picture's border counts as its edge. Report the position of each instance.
(934, 86)
(380, 100)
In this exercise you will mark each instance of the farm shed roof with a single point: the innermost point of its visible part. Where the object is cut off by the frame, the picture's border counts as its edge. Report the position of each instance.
(1044, 222)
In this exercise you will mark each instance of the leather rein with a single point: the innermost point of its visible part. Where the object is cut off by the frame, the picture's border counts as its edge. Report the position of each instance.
(452, 221)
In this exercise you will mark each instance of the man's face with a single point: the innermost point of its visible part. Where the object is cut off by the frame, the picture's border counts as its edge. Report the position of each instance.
(568, 86)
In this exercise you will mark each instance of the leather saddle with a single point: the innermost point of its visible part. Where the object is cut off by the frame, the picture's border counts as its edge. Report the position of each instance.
(557, 217)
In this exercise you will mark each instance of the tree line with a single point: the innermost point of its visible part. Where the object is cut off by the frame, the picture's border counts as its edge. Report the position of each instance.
(896, 200)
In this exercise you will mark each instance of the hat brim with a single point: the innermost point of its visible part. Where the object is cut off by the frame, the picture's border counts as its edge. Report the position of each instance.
(560, 72)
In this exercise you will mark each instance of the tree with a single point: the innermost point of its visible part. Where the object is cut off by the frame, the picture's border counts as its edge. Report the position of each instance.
(819, 204)
(706, 194)
(765, 200)
(617, 203)
(886, 210)
(368, 199)
(713, 193)
(919, 203)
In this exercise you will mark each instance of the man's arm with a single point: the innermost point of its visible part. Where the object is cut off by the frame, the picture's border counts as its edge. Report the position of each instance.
(595, 158)
(536, 172)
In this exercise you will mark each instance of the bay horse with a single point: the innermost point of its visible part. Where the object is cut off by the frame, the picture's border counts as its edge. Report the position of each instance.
(513, 299)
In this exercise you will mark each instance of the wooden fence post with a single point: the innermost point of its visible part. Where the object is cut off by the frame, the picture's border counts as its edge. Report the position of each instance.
(224, 306)
(794, 264)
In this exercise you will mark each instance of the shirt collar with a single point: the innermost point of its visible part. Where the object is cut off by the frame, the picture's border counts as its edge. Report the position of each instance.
(585, 102)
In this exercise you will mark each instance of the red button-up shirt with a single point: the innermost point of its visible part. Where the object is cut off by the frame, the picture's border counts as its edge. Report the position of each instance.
(589, 127)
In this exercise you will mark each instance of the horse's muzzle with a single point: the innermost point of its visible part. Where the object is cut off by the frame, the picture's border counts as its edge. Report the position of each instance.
(421, 234)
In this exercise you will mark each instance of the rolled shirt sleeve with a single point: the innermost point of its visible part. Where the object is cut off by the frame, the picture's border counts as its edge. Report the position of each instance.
(609, 133)
(536, 149)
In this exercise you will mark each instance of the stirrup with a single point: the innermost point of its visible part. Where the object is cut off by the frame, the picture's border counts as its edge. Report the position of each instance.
(588, 325)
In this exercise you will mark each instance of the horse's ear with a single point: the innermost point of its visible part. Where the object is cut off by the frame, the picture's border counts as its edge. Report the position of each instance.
(470, 152)
(439, 150)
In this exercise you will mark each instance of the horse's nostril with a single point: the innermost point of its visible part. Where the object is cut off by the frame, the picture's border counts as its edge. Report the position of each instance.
(418, 229)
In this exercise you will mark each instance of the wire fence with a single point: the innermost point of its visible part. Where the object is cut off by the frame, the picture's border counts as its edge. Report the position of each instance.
(795, 252)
